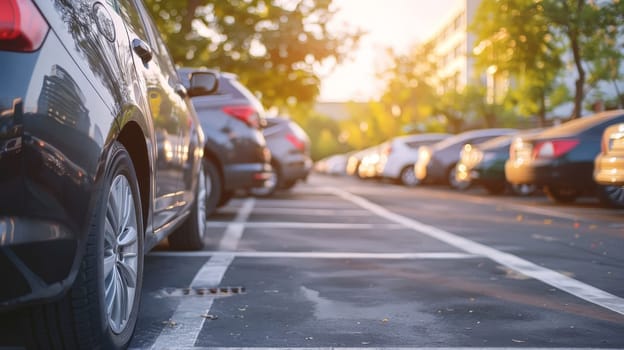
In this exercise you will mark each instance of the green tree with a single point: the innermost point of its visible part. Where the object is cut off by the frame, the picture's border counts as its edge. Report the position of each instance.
(515, 37)
(575, 20)
(604, 52)
(409, 96)
(273, 45)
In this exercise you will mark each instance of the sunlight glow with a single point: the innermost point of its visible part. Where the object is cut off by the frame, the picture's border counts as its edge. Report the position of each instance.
(398, 24)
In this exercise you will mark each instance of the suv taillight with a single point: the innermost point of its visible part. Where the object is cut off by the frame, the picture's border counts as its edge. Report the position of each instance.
(554, 148)
(22, 27)
(245, 113)
(296, 142)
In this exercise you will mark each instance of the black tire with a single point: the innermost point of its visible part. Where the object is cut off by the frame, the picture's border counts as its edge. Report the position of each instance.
(562, 194)
(214, 187)
(80, 320)
(190, 236)
(453, 182)
(611, 196)
(408, 177)
(495, 188)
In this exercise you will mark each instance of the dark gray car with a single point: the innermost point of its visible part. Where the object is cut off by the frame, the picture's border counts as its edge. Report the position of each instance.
(436, 163)
(290, 154)
(100, 160)
(232, 119)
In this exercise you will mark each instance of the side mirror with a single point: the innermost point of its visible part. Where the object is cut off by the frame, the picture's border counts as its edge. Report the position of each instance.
(203, 83)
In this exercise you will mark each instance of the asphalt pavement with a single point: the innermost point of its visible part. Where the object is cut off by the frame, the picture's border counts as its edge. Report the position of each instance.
(342, 263)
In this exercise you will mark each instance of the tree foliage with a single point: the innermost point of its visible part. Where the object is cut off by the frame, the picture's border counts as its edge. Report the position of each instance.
(515, 38)
(537, 41)
(273, 45)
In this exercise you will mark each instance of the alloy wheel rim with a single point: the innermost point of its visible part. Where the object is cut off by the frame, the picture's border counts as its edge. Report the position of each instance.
(616, 194)
(409, 177)
(121, 248)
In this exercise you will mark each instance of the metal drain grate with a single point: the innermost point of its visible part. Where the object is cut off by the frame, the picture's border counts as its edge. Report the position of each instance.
(202, 292)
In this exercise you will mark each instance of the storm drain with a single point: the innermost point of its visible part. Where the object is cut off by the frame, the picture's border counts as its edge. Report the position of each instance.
(202, 292)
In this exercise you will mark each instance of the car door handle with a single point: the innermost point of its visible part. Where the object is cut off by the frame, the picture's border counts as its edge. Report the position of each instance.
(142, 49)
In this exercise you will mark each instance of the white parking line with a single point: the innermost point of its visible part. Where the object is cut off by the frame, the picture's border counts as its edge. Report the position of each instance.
(233, 234)
(320, 255)
(235, 229)
(373, 348)
(187, 320)
(310, 211)
(550, 277)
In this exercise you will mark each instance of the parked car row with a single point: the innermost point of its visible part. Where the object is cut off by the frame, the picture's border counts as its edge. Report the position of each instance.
(245, 150)
(582, 156)
(106, 150)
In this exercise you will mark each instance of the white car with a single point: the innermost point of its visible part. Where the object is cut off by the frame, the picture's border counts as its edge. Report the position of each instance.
(401, 153)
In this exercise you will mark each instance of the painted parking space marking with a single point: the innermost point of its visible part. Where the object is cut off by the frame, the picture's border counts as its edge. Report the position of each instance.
(189, 315)
(311, 212)
(233, 236)
(235, 228)
(574, 287)
(371, 348)
(187, 318)
(320, 255)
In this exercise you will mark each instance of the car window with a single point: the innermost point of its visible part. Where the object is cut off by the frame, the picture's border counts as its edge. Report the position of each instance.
(479, 140)
(130, 14)
(161, 53)
(298, 131)
(416, 144)
(227, 86)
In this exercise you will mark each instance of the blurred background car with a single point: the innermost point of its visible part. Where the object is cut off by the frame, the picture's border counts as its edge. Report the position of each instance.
(235, 149)
(333, 165)
(561, 159)
(89, 98)
(609, 164)
(484, 165)
(353, 162)
(398, 156)
(367, 168)
(290, 155)
(436, 163)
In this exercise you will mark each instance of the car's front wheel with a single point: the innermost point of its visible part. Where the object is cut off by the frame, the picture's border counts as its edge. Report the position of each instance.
(101, 308)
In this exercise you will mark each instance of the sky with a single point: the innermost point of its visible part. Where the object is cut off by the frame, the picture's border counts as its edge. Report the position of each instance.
(389, 23)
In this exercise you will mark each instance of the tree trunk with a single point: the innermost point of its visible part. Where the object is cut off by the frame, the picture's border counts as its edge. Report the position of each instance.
(576, 51)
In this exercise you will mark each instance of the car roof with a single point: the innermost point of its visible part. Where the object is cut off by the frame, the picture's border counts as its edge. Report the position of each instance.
(423, 137)
(580, 125)
(462, 137)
